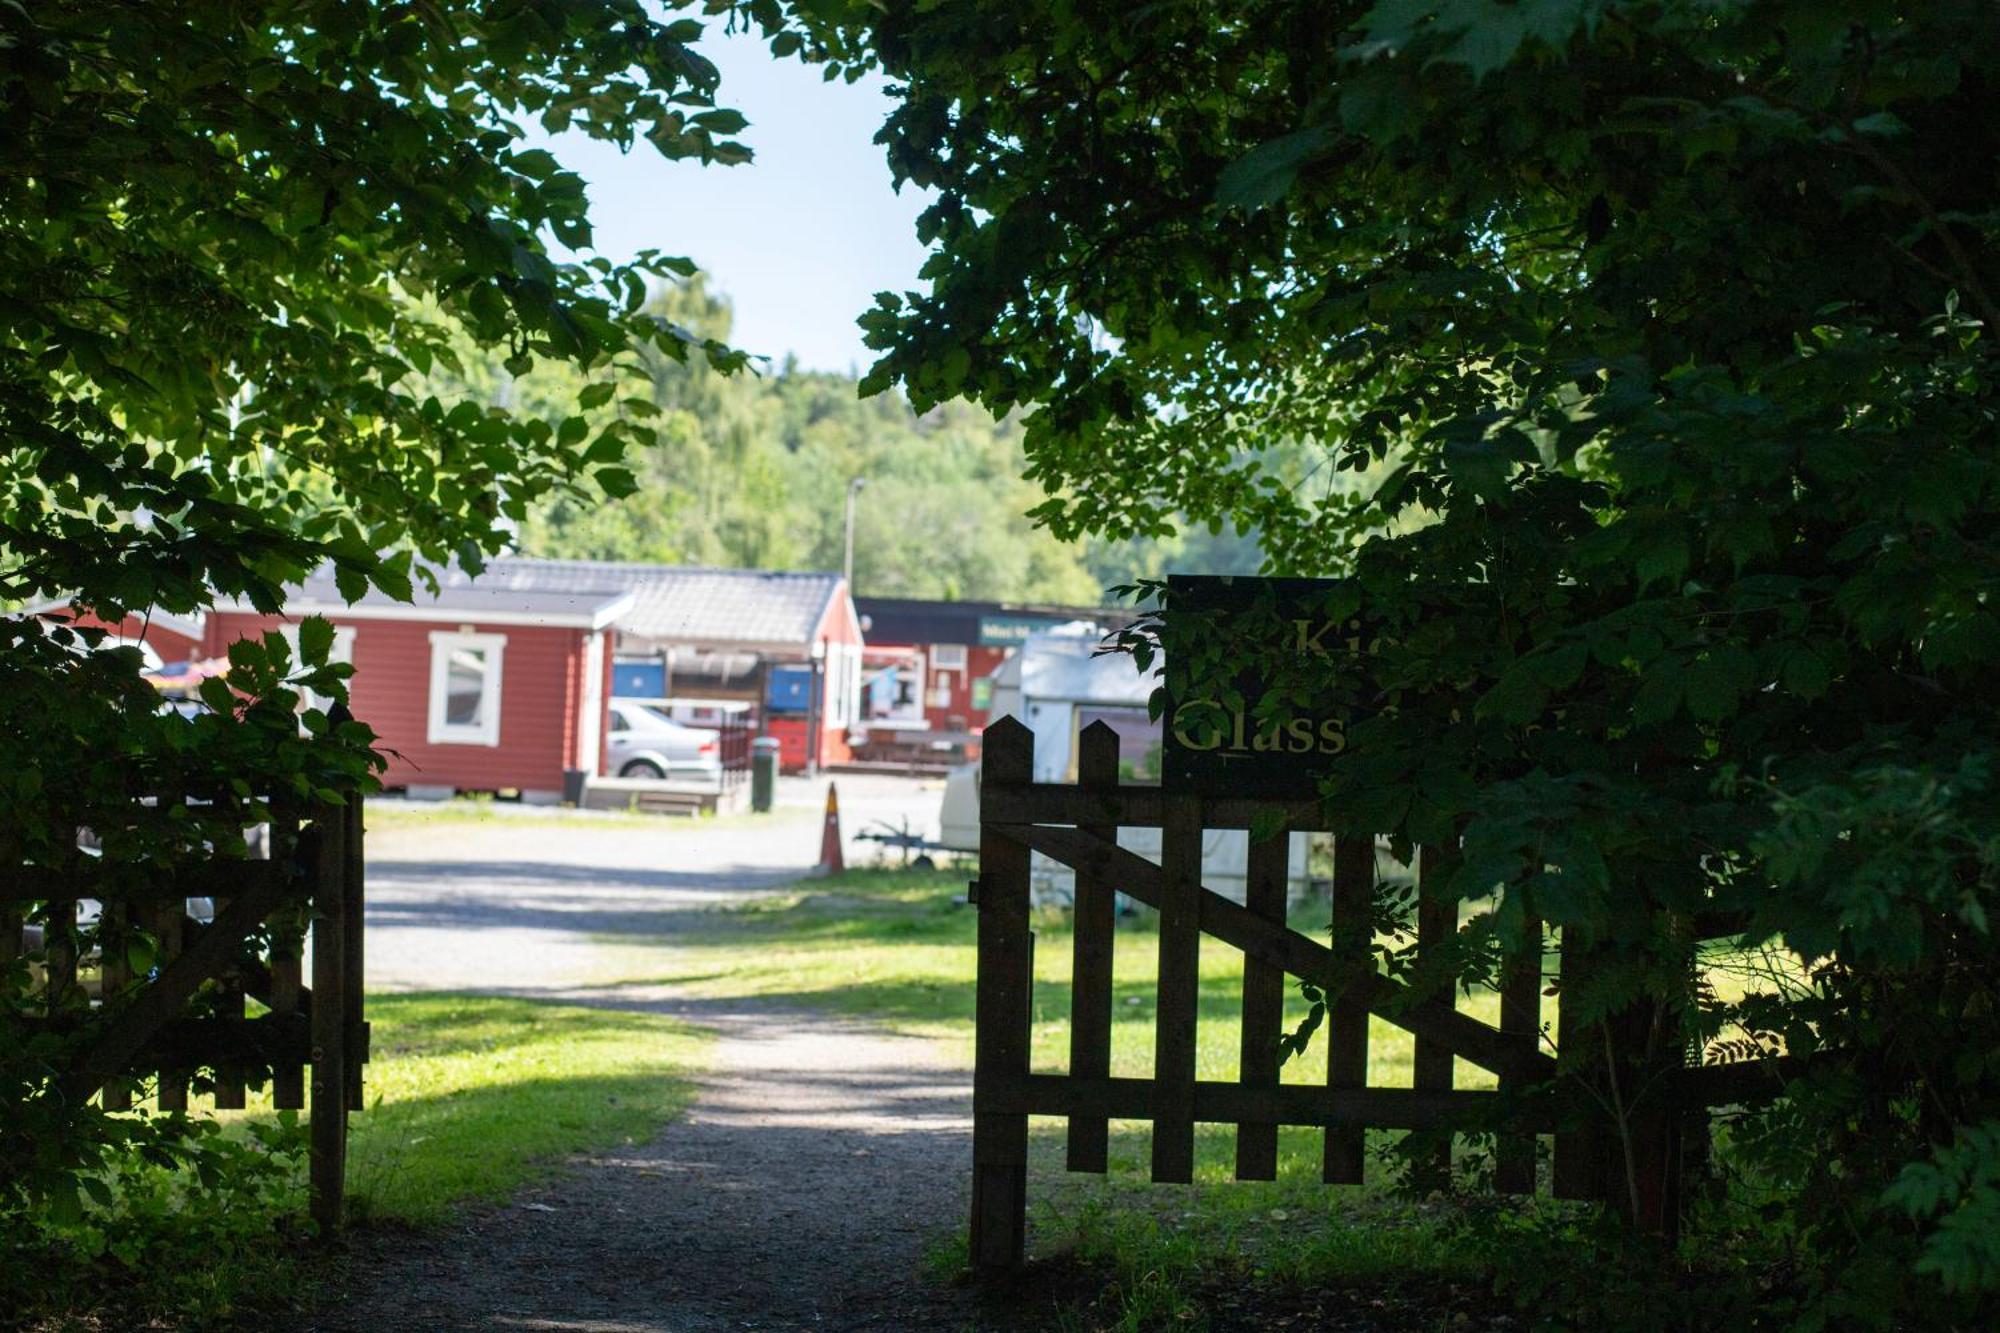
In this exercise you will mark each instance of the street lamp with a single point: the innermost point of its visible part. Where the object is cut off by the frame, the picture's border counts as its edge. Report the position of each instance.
(847, 563)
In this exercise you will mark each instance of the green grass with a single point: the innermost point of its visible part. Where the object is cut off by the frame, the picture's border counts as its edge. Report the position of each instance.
(471, 1096)
(899, 947)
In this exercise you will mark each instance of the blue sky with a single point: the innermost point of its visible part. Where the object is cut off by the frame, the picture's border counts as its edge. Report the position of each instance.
(800, 239)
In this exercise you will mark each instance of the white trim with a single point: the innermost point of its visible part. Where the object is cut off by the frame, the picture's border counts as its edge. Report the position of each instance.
(590, 731)
(487, 730)
(596, 619)
(942, 660)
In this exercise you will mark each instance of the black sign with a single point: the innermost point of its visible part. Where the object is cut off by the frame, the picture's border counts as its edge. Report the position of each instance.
(1261, 683)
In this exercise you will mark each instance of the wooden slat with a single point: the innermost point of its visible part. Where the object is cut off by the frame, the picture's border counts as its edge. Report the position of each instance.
(1234, 924)
(285, 994)
(1140, 807)
(1344, 1160)
(114, 974)
(1704, 1086)
(1177, 1003)
(89, 879)
(1264, 890)
(355, 903)
(1521, 1016)
(1437, 924)
(1237, 1104)
(1004, 993)
(59, 988)
(192, 1043)
(1090, 965)
(281, 984)
(1578, 1150)
(161, 1002)
(329, 1026)
(169, 924)
(229, 1088)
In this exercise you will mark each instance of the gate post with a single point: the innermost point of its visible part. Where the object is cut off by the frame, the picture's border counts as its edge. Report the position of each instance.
(1003, 1014)
(329, 1018)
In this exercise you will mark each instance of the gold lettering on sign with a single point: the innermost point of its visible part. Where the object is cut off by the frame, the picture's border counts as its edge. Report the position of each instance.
(1182, 720)
(1204, 724)
(1309, 639)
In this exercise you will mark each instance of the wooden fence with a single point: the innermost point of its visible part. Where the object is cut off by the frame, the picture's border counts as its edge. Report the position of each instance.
(310, 895)
(1078, 825)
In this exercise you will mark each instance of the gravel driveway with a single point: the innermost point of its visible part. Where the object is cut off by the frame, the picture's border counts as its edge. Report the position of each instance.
(820, 1160)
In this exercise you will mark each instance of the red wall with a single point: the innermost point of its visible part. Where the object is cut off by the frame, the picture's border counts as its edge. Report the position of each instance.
(839, 625)
(541, 695)
(980, 661)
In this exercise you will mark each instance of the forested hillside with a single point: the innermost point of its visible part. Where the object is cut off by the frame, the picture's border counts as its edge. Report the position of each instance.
(752, 470)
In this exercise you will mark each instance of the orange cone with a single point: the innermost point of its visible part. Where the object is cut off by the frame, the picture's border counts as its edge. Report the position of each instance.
(831, 860)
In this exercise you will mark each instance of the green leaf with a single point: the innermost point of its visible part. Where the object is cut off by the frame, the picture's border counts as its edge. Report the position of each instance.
(315, 640)
(1265, 174)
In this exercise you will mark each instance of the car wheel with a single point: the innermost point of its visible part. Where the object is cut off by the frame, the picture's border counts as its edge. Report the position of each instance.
(642, 768)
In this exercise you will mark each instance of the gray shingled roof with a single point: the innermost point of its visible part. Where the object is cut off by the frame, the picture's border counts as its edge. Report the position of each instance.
(678, 604)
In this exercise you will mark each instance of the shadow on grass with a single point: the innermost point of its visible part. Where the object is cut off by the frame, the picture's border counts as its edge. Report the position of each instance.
(467, 1095)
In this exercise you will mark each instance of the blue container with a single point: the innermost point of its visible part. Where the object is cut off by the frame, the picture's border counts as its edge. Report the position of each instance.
(788, 689)
(639, 680)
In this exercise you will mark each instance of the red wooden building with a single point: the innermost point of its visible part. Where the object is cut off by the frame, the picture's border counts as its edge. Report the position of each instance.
(502, 682)
(476, 688)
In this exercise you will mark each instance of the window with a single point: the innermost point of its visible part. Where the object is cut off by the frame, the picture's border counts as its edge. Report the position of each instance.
(465, 688)
(948, 656)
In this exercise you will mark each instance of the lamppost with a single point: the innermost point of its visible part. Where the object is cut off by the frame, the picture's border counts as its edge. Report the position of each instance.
(847, 563)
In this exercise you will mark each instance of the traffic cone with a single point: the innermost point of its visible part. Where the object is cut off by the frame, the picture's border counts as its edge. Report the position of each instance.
(831, 860)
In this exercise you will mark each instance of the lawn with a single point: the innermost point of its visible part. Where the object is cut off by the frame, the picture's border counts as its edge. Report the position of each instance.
(898, 947)
(470, 1096)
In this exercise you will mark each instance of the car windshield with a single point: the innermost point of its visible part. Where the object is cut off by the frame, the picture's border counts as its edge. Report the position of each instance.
(653, 713)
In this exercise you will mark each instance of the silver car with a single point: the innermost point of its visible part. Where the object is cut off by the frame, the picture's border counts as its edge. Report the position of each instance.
(646, 743)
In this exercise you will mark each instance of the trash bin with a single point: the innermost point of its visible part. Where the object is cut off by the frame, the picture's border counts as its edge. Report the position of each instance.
(763, 773)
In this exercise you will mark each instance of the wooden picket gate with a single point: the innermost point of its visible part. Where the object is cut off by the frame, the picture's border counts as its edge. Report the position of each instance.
(309, 891)
(1077, 826)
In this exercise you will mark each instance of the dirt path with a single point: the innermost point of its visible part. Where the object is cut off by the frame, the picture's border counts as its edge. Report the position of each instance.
(801, 1192)
(819, 1162)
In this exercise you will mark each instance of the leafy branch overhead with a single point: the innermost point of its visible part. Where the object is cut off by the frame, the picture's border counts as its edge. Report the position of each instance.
(237, 242)
(1641, 358)
(241, 247)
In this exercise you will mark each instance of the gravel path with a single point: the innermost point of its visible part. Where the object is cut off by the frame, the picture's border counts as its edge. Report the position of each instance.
(819, 1162)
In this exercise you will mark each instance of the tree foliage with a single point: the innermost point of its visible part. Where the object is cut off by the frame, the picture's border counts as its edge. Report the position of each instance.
(751, 471)
(236, 242)
(235, 238)
(1668, 328)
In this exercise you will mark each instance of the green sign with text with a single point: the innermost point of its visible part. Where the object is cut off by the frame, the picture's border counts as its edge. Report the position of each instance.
(1260, 685)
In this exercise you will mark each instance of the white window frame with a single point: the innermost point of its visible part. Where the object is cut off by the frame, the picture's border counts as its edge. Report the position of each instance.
(443, 644)
(948, 657)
